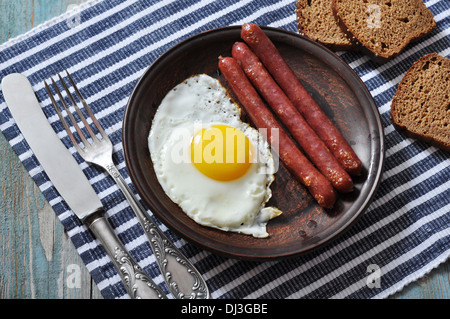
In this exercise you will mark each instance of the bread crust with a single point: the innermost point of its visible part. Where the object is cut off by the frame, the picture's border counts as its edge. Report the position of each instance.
(364, 47)
(408, 131)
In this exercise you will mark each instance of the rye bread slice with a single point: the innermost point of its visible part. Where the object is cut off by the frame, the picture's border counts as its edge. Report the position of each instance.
(316, 20)
(421, 106)
(384, 27)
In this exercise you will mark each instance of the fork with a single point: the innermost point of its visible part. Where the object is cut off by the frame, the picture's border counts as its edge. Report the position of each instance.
(182, 278)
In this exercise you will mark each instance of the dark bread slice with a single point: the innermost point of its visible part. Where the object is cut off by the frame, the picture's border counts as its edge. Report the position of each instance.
(384, 27)
(421, 106)
(315, 20)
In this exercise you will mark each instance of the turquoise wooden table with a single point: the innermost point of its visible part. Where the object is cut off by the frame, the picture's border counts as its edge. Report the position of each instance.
(37, 260)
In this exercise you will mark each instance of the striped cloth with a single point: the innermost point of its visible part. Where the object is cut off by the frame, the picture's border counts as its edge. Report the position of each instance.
(107, 45)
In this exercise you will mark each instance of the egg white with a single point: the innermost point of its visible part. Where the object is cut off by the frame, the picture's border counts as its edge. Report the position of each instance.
(237, 205)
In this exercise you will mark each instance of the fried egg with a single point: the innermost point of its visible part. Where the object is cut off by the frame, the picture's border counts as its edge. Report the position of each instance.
(217, 168)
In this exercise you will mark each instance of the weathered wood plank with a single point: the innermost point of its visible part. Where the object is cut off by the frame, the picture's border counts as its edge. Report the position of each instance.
(22, 15)
(37, 259)
(435, 285)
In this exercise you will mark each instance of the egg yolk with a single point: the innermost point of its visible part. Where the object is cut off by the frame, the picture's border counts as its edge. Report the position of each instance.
(221, 152)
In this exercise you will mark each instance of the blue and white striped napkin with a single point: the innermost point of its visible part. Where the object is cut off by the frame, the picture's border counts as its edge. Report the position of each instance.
(107, 45)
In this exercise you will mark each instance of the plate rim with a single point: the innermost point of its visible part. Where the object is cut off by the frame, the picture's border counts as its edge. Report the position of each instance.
(326, 240)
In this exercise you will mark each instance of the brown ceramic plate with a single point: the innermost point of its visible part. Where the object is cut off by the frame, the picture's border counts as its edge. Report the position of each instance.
(303, 225)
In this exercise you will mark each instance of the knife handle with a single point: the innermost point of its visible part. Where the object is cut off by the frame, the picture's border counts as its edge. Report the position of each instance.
(137, 283)
(182, 278)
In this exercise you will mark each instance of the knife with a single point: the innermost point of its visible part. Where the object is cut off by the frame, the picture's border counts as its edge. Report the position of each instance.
(71, 183)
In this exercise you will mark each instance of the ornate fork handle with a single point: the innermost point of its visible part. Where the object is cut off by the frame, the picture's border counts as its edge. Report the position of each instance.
(136, 281)
(173, 264)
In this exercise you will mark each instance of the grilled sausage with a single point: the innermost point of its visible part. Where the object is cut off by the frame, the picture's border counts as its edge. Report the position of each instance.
(269, 55)
(305, 136)
(296, 162)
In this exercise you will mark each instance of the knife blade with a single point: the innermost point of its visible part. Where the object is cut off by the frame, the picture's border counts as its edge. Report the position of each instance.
(71, 183)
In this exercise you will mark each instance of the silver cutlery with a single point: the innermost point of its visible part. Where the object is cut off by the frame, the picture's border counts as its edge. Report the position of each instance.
(182, 278)
(71, 183)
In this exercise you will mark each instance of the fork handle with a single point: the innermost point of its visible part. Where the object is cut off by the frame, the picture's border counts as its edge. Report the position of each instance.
(137, 283)
(173, 264)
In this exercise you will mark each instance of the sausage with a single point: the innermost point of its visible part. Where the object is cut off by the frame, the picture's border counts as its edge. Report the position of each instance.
(296, 162)
(305, 136)
(269, 55)
(319, 187)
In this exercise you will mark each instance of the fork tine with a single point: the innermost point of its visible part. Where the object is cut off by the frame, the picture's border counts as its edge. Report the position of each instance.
(87, 108)
(61, 118)
(77, 109)
(72, 119)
